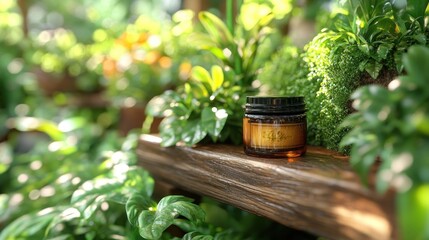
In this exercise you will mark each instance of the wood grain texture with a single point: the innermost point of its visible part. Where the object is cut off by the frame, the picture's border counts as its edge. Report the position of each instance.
(318, 193)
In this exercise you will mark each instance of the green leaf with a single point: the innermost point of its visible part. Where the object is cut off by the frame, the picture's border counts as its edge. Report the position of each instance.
(193, 132)
(373, 68)
(157, 106)
(180, 109)
(31, 225)
(152, 221)
(136, 204)
(139, 180)
(217, 77)
(362, 157)
(213, 120)
(383, 50)
(420, 38)
(171, 131)
(196, 236)
(364, 48)
(216, 28)
(202, 41)
(93, 193)
(201, 75)
(415, 61)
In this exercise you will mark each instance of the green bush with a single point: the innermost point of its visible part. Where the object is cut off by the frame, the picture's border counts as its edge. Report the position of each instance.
(363, 46)
(393, 125)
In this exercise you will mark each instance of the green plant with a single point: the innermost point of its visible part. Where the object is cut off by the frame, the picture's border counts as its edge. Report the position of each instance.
(71, 185)
(392, 125)
(211, 103)
(11, 64)
(59, 54)
(41, 182)
(362, 46)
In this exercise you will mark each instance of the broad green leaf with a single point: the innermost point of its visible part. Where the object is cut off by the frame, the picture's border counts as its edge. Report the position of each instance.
(171, 131)
(216, 28)
(362, 157)
(30, 225)
(183, 206)
(139, 180)
(198, 90)
(152, 221)
(213, 120)
(157, 106)
(94, 192)
(415, 61)
(383, 50)
(196, 236)
(180, 109)
(201, 75)
(373, 68)
(136, 204)
(364, 48)
(193, 132)
(217, 77)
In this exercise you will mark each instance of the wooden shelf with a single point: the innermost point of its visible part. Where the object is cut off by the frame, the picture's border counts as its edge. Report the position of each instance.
(318, 193)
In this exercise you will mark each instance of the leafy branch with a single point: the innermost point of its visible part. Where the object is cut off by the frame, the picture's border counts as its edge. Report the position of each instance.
(392, 124)
(153, 219)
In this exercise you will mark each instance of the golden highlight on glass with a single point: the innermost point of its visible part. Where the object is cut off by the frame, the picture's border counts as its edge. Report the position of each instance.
(275, 126)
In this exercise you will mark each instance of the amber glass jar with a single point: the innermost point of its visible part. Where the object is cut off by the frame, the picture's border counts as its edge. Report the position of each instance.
(275, 126)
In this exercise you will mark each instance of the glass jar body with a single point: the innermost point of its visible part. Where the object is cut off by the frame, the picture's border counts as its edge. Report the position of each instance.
(275, 135)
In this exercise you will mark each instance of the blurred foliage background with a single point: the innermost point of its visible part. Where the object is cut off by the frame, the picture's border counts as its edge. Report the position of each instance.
(77, 76)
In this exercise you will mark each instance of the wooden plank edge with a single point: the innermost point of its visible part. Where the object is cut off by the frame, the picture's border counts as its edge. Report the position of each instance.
(330, 207)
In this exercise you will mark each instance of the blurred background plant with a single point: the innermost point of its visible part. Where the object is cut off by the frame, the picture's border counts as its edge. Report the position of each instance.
(11, 63)
(210, 104)
(143, 61)
(393, 125)
(73, 177)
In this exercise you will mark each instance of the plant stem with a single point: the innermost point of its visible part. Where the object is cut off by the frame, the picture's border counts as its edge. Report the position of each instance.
(229, 15)
(230, 25)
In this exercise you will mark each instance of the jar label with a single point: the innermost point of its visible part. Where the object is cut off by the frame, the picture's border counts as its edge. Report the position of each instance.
(277, 136)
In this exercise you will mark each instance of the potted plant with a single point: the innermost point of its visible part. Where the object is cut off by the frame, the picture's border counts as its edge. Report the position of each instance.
(209, 106)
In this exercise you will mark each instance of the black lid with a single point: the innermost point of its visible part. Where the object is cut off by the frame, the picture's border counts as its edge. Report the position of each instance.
(275, 105)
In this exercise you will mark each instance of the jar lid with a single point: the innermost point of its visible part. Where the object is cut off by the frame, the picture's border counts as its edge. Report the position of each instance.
(275, 105)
